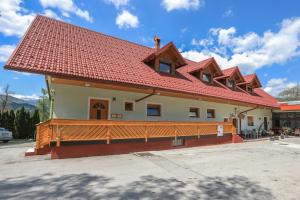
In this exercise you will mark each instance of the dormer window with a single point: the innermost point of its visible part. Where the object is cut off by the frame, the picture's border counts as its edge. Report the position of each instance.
(231, 83)
(249, 88)
(207, 78)
(165, 67)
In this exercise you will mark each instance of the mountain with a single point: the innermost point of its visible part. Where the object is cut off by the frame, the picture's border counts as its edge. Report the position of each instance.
(16, 103)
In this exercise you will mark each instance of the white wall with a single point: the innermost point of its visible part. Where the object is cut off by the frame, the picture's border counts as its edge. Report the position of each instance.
(71, 102)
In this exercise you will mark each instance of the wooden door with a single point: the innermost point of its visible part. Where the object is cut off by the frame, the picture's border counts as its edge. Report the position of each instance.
(234, 122)
(99, 109)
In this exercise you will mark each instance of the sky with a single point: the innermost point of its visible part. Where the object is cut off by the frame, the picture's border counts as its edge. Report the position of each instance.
(260, 37)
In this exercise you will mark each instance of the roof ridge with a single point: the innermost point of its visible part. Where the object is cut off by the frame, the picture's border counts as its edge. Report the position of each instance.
(103, 34)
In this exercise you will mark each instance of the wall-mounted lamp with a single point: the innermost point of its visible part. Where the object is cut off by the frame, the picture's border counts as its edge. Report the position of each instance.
(87, 85)
(114, 98)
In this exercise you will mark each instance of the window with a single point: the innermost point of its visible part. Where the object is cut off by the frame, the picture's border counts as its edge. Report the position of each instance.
(250, 120)
(226, 120)
(206, 78)
(231, 83)
(153, 110)
(165, 67)
(210, 113)
(128, 106)
(194, 112)
(249, 88)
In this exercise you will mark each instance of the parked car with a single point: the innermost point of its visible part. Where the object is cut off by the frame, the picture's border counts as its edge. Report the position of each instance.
(5, 135)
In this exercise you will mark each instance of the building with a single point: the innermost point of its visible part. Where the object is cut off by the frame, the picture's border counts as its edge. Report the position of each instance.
(92, 76)
(288, 116)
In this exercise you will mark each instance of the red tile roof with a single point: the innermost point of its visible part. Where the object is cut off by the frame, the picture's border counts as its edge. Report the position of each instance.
(229, 71)
(251, 77)
(56, 48)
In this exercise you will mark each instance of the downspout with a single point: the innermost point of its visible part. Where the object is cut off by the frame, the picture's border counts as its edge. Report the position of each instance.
(51, 99)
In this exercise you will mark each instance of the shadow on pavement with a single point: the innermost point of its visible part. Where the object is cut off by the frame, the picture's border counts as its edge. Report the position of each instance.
(86, 186)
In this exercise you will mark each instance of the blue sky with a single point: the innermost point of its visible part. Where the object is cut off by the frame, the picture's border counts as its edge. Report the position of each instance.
(259, 36)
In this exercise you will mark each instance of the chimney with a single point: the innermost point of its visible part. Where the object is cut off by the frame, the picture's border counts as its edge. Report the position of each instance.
(157, 42)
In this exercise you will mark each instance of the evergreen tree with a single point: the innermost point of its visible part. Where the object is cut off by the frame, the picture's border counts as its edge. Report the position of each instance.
(44, 106)
(5, 119)
(0, 119)
(35, 119)
(11, 121)
(21, 124)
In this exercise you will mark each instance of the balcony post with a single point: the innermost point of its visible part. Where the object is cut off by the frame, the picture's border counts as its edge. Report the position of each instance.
(58, 136)
(146, 134)
(37, 137)
(108, 135)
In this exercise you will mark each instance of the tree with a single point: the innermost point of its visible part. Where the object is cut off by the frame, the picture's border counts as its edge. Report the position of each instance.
(4, 98)
(35, 119)
(21, 124)
(291, 94)
(11, 121)
(43, 106)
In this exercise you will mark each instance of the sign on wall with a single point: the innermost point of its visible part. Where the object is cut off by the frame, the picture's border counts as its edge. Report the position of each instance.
(220, 129)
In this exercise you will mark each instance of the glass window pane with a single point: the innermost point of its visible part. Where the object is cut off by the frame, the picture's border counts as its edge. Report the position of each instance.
(250, 121)
(153, 110)
(210, 113)
(194, 112)
(206, 78)
(128, 106)
(165, 67)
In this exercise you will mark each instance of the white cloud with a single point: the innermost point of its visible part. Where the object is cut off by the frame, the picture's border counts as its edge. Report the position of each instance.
(228, 13)
(170, 5)
(50, 13)
(6, 51)
(66, 7)
(16, 78)
(277, 85)
(251, 51)
(127, 20)
(26, 97)
(118, 3)
(203, 42)
(14, 19)
(23, 73)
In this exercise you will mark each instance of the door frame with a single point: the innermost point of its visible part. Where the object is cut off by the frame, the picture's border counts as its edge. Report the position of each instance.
(267, 120)
(98, 98)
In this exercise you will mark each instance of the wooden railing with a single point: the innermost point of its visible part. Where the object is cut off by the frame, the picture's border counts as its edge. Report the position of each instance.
(82, 130)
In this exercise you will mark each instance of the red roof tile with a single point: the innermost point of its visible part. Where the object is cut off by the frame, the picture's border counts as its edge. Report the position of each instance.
(56, 48)
(229, 71)
(252, 77)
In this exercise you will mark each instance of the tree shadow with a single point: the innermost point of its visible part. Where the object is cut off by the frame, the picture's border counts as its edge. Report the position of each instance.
(86, 186)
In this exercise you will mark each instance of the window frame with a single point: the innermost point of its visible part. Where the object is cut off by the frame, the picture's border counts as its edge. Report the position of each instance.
(210, 79)
(155, 104)
(197, 112)
(128, 101)
(247, 88)
(233, 83)
(214, 114)
(252, 120)
(166, 64)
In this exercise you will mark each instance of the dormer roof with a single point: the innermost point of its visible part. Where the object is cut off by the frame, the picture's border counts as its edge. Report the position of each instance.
(252, 79)
(232, 72)
(210, 62)
(170, 49)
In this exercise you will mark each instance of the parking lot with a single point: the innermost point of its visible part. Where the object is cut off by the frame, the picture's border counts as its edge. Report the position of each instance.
(252, 170)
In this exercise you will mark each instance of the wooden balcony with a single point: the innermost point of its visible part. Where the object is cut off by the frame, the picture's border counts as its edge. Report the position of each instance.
(59, 130)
